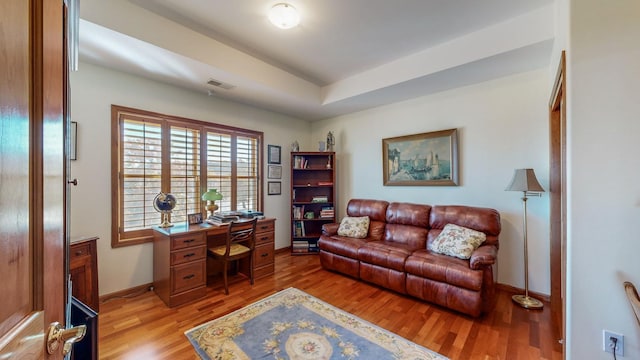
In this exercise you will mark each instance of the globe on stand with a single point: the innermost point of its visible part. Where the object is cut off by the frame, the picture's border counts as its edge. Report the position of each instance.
(164, 203)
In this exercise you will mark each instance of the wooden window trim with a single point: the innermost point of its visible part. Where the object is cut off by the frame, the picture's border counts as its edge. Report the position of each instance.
(135, 237)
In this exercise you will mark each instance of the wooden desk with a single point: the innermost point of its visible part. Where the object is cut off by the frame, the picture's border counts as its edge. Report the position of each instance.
(180, 258)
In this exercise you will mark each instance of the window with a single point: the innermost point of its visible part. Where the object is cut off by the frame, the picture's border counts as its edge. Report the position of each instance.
(153, 152)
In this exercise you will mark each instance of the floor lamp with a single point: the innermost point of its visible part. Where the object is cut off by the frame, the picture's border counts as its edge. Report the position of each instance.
(525, 180)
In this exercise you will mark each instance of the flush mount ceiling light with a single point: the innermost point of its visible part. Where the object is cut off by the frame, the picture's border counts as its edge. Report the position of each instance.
(284, 16)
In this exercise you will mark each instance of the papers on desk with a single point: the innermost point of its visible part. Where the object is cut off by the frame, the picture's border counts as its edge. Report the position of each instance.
(221, 218)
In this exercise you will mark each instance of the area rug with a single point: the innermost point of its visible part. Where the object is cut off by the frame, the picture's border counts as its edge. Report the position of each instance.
(292, 324)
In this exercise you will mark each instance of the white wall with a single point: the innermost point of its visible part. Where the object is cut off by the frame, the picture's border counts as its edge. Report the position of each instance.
(93, 90)
(604, 169)
(502, 125)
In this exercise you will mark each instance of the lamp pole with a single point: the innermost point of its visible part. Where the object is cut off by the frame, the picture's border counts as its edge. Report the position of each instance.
(525, 300)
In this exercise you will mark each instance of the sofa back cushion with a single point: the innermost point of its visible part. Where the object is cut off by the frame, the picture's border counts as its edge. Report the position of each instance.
(376, 211)
(477, 218)
(407, 224)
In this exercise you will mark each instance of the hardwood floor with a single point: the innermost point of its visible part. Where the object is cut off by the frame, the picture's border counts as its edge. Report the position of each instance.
(142, 327)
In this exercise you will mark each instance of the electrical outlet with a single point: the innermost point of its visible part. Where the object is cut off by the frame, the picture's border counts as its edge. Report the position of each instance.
(608, 344)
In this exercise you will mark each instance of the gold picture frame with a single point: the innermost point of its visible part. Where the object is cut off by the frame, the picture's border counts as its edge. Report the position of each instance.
(426, 159)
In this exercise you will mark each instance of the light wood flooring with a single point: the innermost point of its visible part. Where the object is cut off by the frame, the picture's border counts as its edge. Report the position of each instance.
(142, 327)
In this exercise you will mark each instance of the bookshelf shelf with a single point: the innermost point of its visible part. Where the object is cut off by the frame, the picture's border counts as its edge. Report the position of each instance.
(313, 181)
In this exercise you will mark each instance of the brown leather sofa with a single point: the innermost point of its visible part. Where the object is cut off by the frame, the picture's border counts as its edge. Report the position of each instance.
(394, 254)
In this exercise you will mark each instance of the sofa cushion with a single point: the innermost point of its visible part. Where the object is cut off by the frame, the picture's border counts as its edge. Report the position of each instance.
(376, 211)
(477, 218)
(354, 226)
(341, 245)
(444, 269)
(384, 253)
(458, 241)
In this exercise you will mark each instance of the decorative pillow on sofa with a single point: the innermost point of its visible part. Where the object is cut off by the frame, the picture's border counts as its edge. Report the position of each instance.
(457, 241)
(354, 226)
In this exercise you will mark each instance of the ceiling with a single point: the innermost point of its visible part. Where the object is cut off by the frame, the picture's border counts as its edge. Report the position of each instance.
(345, 56)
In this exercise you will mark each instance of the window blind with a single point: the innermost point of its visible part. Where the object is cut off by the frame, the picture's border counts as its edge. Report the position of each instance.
(185, 172)
(141, 173)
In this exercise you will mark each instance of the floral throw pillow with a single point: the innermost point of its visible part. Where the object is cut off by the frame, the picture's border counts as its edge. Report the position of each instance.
(457, 241)
(354, 226)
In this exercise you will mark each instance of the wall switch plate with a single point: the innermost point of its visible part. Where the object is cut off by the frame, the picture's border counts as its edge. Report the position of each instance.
(608, 345)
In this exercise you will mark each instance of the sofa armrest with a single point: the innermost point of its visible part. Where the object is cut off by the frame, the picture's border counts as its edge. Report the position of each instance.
(483, 256)
(330, 229)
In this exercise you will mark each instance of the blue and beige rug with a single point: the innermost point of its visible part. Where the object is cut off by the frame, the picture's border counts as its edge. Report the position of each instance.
(292, 324)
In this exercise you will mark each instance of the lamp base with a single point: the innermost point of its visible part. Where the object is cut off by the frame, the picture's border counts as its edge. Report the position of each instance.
(527, 302)
(211, 208)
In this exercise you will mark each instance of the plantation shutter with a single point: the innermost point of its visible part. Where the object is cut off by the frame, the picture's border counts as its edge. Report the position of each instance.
(185, 171)
(140, 176)
(247, 173)
(219, 163)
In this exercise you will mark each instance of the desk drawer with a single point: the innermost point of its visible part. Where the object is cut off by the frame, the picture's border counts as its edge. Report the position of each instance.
(187, 255)
(264, 238)
(79, 250)
(264, 226)
(263, 255)
(187, 276)
(188, 240)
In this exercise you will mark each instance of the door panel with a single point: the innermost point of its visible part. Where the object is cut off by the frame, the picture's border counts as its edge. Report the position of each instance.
(31, 175)
(14, 165)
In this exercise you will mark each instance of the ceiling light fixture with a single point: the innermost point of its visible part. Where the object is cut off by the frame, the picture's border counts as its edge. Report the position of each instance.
(284, 16)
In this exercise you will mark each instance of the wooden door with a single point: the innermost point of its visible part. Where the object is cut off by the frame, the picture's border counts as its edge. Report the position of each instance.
(558, 202)
(32, 182)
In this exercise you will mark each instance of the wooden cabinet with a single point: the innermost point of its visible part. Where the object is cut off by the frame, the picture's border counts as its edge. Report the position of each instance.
(83, 268)
(313, 195)
(179, 265)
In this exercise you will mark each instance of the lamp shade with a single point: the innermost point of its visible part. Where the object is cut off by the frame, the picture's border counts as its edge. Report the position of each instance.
(284, 16)
(212, 195)
(524, 180)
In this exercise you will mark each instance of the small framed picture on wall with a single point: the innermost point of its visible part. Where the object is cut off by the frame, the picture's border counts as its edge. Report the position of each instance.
(274, 188)
(275, 172)
(273, 154)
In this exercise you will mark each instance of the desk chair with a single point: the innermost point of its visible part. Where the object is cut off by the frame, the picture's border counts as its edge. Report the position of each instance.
(241, 236)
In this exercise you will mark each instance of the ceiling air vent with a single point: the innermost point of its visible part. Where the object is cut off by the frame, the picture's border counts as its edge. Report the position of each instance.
(220, 84)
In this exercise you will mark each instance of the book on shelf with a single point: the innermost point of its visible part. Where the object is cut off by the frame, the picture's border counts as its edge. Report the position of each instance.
(327, 212)
(325, 183)
(319, 199)
(300, 244)
(313, 246)
(298, 229)
(299, 162)
(298, 212)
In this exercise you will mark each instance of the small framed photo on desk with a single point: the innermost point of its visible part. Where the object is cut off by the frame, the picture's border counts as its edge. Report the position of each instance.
(195, 218)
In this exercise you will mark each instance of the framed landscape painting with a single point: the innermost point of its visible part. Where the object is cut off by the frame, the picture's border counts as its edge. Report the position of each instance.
(427, 159)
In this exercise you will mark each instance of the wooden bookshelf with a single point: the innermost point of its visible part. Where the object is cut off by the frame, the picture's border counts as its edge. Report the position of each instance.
(313, 179)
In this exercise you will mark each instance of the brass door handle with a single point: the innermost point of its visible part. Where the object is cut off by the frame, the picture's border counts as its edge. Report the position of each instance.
(58, 334)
